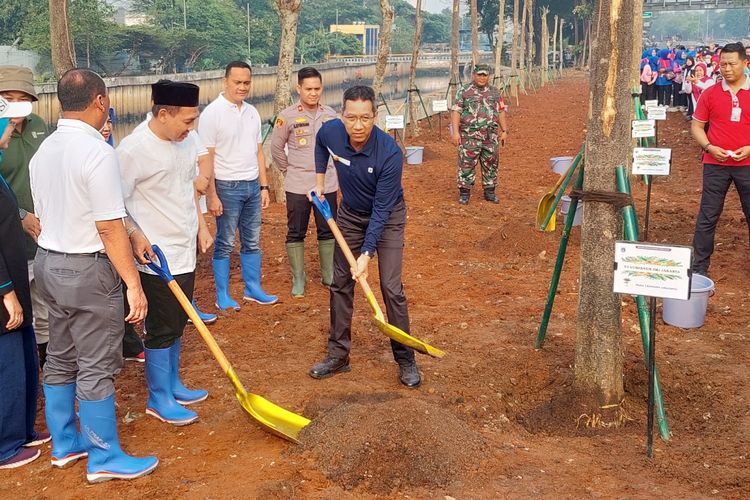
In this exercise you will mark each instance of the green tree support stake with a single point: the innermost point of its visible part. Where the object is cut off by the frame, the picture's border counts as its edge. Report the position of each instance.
(631, 234)
(559, 263)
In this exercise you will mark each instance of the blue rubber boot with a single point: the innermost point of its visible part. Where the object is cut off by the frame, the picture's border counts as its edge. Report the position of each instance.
(182, 394)
(221, 281)
(251, 274)
(106, 459)
(207, 318)
(161, 403)
(59, 410)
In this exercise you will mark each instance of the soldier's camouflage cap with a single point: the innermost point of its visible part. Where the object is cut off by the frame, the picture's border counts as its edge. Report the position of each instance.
(480, 69)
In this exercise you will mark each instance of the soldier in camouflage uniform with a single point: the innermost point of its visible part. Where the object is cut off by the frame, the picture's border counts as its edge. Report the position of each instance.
(479, 129)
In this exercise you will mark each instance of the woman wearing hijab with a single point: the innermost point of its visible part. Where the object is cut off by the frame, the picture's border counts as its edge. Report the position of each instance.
(19, 362)
(679, 99)
(687, 73)
(664, 79)
(648, 77)
(699, 82)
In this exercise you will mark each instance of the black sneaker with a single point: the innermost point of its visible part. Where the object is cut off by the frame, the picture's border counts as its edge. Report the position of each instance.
(489, 195)
(408, 374)
(463, 196)
(329, 367)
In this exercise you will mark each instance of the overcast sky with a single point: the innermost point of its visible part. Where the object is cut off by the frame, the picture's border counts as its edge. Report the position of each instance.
(434, 5)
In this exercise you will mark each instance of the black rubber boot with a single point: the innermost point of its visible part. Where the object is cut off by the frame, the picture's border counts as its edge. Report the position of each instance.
(489, 195)
(463, 196)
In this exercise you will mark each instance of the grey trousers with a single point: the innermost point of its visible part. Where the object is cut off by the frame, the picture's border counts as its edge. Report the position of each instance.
(390, 253)
(84, 296)
(41, 314)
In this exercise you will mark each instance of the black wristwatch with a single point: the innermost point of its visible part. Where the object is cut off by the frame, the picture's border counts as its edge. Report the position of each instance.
(705, 148)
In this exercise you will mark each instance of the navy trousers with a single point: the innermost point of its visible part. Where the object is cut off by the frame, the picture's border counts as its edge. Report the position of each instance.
(19, 379)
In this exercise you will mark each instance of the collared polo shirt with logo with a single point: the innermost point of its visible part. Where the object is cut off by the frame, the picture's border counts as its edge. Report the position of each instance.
(370, 179)
(235, 132)
(716, 107)
(75, 182)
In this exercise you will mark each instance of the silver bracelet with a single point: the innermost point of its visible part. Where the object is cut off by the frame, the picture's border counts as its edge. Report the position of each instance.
(131, 230)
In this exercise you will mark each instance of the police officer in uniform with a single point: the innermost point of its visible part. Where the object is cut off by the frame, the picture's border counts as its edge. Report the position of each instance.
(295, 129)
(479, 128)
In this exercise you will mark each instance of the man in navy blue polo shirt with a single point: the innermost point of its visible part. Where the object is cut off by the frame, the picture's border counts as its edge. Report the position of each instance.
(372, 217)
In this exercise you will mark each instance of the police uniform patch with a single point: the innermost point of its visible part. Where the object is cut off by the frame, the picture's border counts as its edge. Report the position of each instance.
(301, 119)
(301, 131)
(303, 141)
(279, 122)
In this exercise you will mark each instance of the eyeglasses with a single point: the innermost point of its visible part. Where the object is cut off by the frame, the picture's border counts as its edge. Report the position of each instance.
(363, 119)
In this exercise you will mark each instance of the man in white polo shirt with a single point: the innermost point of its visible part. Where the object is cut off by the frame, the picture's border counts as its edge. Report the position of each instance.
(83, 252)
(157, 168)
(231, 130)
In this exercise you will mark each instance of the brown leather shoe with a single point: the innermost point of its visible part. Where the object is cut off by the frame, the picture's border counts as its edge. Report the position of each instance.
(330, 366)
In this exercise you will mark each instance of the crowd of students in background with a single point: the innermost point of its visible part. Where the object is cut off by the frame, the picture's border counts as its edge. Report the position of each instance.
(676, 77)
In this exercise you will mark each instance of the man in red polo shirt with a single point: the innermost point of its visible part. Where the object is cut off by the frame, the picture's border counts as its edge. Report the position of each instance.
(726, 158)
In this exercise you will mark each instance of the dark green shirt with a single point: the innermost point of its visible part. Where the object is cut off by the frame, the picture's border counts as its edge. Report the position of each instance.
(15, 166)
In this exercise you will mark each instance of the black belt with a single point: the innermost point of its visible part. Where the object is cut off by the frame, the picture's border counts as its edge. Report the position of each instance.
(97, 255)
(368, 214)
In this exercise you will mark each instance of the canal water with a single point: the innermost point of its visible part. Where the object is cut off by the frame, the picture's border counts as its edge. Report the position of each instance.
(429, 81)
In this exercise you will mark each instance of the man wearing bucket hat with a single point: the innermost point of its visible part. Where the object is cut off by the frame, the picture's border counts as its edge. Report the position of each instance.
(17, 86)
(479, 127)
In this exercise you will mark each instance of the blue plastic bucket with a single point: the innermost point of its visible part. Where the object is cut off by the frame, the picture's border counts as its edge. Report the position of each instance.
(689, 313)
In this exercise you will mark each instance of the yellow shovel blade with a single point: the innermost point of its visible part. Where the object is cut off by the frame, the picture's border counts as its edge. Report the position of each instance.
(397, 334)
(273, 417)
(541, 213)
(276, 419)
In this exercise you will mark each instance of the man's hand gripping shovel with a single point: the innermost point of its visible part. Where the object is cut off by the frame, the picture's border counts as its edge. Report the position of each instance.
(276, 419)
(389, 330)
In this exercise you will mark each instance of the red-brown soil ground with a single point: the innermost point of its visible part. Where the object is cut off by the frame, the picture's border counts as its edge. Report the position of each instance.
(476, 278)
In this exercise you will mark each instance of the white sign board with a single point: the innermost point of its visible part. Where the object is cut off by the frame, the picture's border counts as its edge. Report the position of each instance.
(652, 270)
(651, 103)
(643, 128)
(393, 122)
(651, 161)
(657, 113)
(438, 106)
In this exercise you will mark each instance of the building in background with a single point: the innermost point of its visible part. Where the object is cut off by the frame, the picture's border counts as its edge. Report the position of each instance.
(365, 33)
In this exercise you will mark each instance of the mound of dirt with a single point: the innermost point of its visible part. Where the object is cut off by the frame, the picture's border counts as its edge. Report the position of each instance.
(390, 444)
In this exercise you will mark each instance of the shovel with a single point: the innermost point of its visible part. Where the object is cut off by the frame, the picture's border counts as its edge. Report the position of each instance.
(545, 212)
(274, 418)
(389, 330)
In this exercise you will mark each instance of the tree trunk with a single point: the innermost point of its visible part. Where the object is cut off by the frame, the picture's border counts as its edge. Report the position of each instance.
(61, 42)
(455, 24)
(288, 15)
(599, 356)
(384, 46)
(500, 38)
(474, 33)
(562, 49)
(530, 41)
(514, 53)
(554, 43)
(522, 38)
(589, 52)
(413, 97)
(544, 45)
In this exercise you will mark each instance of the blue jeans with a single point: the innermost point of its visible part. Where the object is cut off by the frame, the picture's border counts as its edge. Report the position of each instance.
(241, 202)
(19, 376)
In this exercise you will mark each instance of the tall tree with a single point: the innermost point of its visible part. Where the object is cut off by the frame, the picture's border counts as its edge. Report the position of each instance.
(474, 32)
(289, 16)
(554, 42)
(413, 98)
(455, 24)
(599, 357)
(384, 45)
(562, 49)
(522, 38)
(61, 42)
(500, 37)
(545, 43)
(530, 40)
(514, 53)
